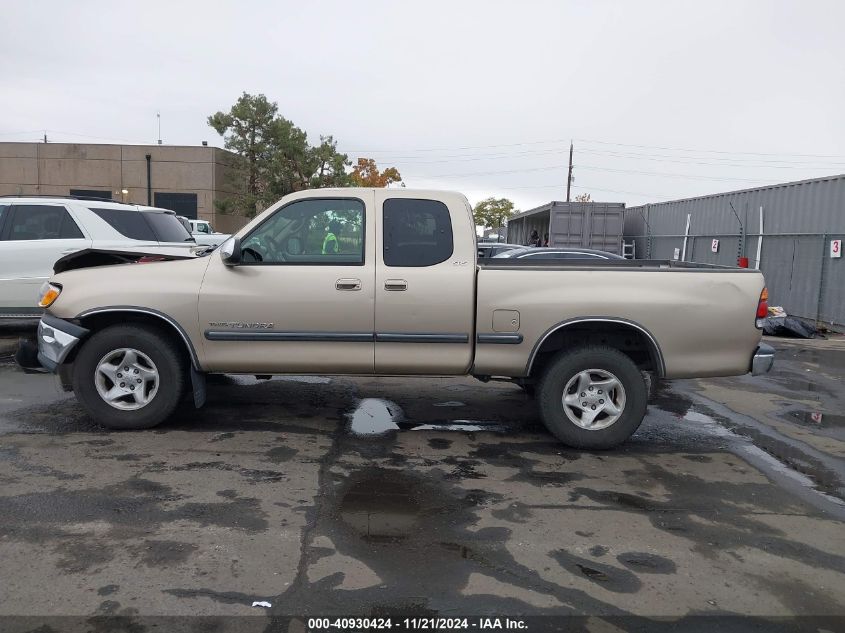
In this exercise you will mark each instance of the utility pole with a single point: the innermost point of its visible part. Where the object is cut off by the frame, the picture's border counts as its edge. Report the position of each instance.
(569, 176)
(158, 116)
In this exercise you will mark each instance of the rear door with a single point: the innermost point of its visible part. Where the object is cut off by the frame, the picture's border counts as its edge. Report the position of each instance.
(425, 284)
(33, 237)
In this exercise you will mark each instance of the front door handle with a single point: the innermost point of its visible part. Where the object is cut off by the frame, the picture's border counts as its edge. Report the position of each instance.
(395, 285)
(348, 284)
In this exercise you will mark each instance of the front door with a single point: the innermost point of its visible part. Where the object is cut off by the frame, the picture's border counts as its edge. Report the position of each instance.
(302, 298)
(425, 285)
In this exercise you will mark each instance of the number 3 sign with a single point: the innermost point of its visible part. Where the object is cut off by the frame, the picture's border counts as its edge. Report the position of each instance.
(836, 248)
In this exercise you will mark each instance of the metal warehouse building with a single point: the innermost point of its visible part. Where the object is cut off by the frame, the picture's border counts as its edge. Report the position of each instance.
(789, 231)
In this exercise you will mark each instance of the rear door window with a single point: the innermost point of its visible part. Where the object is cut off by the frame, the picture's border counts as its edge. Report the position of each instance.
(167, 227)
(416, 232)
(39, 222)
(147, 226)
(128, 223)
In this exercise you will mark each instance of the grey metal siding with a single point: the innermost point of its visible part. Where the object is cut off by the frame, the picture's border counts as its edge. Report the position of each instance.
(596, 225)
(587, 224)
(800, 219)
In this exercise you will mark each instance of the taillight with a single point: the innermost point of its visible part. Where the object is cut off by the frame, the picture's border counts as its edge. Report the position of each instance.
(762, 307)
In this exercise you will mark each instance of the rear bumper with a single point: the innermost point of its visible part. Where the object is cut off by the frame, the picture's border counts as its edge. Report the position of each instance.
(56, 339)
(763, 359)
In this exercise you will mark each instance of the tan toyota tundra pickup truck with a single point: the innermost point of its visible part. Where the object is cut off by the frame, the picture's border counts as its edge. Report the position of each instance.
(387, 282)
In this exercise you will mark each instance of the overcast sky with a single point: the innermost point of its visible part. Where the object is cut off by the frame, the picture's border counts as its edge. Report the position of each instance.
(663, 99)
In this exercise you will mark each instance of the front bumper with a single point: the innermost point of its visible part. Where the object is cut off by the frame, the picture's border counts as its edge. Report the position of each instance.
(763, 359)
(56, 339)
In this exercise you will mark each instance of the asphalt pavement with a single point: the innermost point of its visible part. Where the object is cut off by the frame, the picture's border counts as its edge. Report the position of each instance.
(360, 496)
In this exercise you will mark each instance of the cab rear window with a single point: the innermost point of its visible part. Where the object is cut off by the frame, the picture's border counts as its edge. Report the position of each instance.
(416, 232)
(147, 226)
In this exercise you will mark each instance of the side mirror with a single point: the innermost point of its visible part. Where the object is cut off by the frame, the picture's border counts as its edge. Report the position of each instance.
(230, 251)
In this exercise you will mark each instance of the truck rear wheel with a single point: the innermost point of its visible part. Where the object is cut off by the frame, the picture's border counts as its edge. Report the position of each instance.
(592, 397)
(129, 377)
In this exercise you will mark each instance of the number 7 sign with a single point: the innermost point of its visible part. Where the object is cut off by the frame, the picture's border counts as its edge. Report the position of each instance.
(836, 248)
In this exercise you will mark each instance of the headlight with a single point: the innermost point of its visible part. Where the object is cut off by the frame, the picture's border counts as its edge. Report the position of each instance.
(49, 293)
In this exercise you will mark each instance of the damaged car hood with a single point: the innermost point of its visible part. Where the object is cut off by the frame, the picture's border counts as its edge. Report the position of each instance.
(92, 257)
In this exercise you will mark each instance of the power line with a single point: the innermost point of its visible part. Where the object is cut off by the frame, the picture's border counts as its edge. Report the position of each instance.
(671, 175)
(599, 142)
(492, 173)
(690, 160)
(710, 151)
(596, 168)
(588, 188)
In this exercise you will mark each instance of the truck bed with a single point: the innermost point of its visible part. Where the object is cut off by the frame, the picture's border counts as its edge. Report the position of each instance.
(683, 306)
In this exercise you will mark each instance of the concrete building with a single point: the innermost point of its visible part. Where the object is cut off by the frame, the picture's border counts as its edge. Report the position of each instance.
(187, 179)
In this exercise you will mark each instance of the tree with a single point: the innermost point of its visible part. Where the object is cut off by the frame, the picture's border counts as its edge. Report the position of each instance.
(245, 129)
(583, 197)
(366, 174)
(493, 212)
(274, 156)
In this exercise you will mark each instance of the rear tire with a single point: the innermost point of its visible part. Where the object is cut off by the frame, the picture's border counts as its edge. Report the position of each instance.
(129, 377)
(592, 397)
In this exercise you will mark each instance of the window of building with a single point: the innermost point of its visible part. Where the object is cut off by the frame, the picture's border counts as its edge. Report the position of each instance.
(40, 222)
(92, 193)
(182, 203)
(329, 231)
(416, 232)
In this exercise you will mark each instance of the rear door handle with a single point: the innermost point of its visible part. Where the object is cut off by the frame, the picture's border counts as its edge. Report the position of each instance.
(395, 285)
(348, 284)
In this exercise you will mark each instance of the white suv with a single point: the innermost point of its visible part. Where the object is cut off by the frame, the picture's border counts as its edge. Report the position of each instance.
(35, 231)
(204, 233)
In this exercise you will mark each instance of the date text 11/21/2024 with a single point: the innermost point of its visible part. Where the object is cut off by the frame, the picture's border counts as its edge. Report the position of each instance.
(416, 624)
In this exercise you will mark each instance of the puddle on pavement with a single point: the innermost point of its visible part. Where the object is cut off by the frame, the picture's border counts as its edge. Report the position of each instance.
(824, 358)
(246, 379)
(461, 425)
(763, 460)
(816, 419)
(381, 508)
(374, 416)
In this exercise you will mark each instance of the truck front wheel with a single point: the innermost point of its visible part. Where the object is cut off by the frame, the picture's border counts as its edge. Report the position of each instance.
(592, 397)
(129, 377)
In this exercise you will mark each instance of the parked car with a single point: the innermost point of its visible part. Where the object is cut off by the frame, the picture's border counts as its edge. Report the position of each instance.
(387, 282)
(36, 231)
(555, 252)
(491, 249)
(202, 232)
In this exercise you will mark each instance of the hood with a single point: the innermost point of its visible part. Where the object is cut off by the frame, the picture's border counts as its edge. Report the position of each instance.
(91, 257)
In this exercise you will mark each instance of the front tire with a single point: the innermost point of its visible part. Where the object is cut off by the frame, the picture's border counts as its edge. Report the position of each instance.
(129, 377)
(592, 397)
